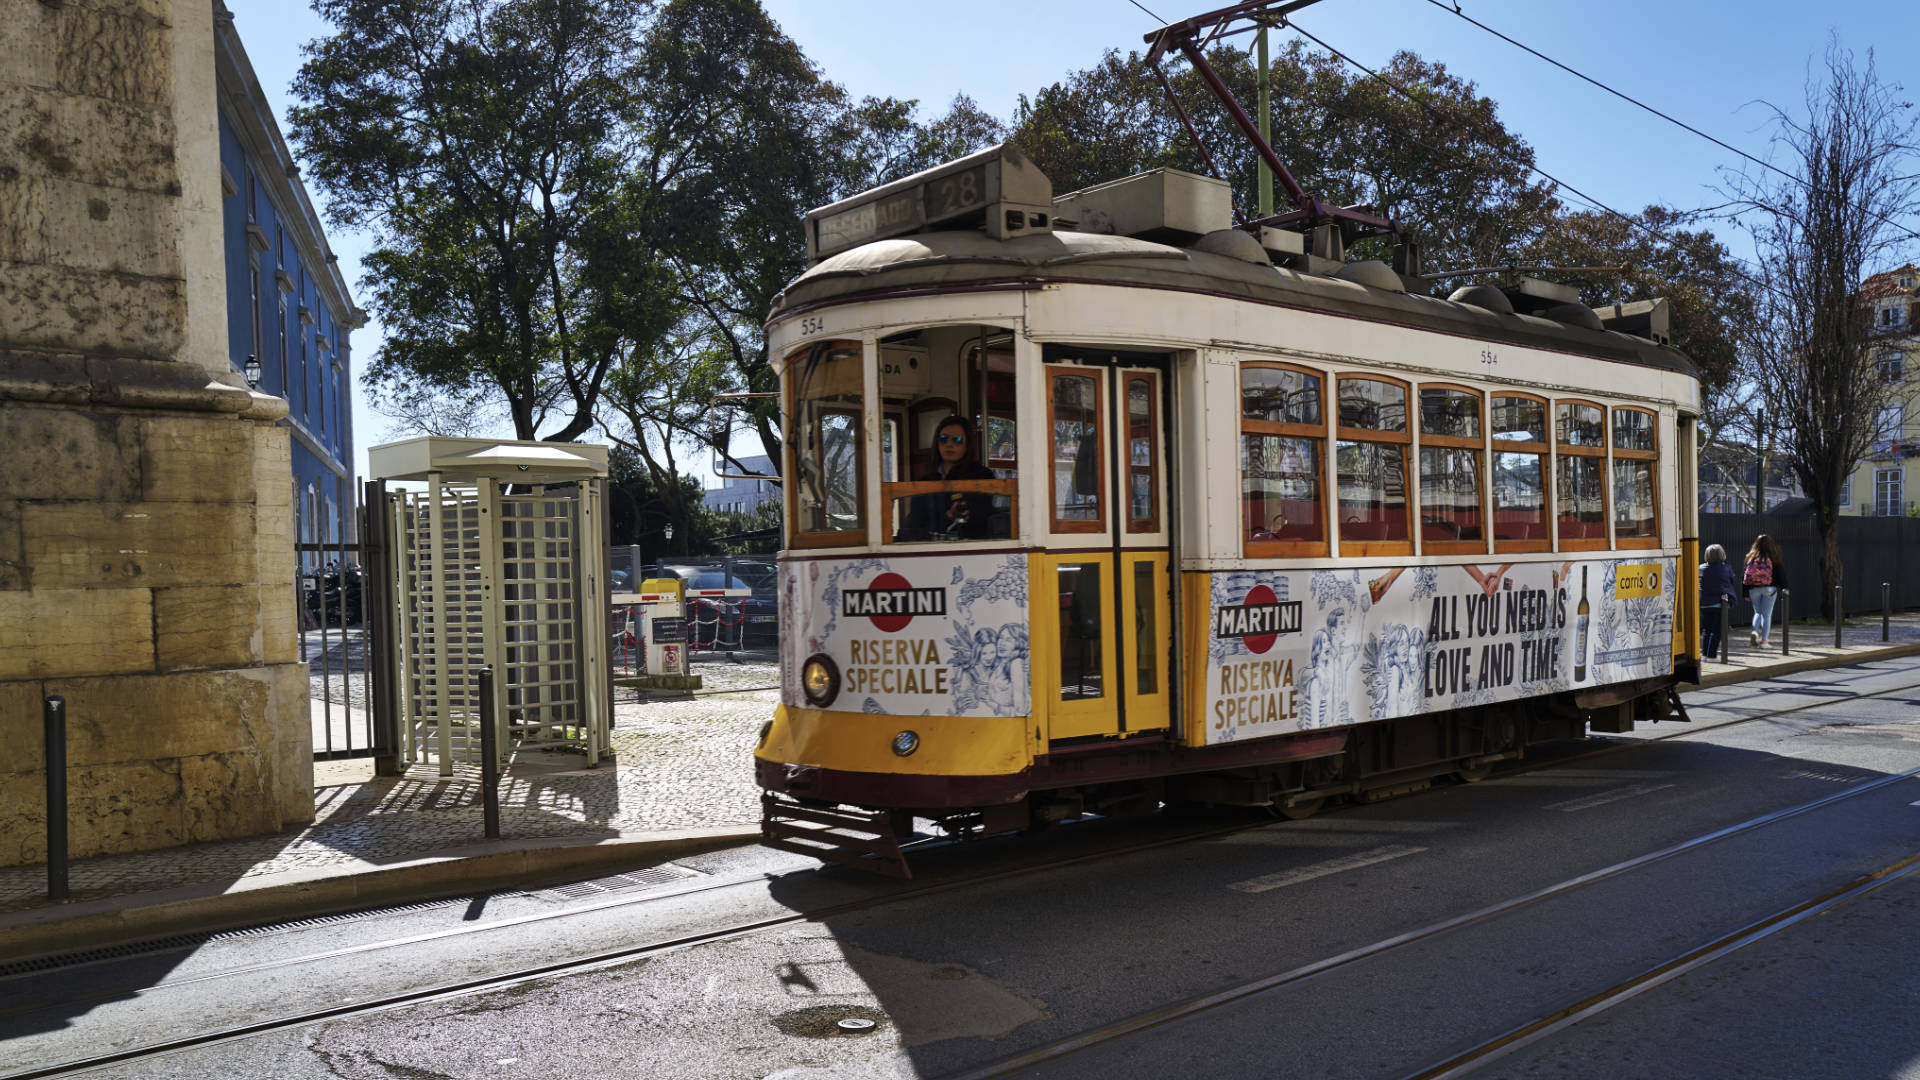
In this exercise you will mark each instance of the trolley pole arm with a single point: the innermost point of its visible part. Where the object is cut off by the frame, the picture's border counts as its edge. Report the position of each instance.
(1186, 37)
(1250, 129)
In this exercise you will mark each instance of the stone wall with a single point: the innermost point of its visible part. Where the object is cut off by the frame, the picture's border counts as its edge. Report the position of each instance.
(146, 547)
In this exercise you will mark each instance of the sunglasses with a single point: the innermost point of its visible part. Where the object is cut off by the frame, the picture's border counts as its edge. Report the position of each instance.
(957, 440)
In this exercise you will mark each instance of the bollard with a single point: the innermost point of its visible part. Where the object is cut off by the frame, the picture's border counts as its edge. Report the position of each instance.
(1786, 624)
(55, 710)
(1839, 616)
(1727, 623)
(489, 763)
(55, 715)
(1886, 610)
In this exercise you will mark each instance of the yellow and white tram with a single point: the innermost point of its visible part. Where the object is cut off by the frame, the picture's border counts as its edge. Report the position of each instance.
(1092, 502)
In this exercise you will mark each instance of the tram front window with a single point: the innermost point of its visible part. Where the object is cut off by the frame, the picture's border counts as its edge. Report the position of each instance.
(826, 382)
(948, 434)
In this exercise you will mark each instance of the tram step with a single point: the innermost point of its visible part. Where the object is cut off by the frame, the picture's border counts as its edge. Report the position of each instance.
(858, 838)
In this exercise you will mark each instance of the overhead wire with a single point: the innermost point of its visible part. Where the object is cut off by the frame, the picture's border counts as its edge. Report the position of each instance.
(1616, 93)
(1455, 10)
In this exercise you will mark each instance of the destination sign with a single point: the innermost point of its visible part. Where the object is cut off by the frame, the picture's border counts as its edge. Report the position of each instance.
(886, 217)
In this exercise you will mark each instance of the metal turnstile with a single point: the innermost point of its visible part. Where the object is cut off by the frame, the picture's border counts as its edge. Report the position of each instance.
(498, 561)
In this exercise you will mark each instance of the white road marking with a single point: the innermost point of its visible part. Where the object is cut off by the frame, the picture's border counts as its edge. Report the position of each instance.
(1331, 866)
(1606, 797)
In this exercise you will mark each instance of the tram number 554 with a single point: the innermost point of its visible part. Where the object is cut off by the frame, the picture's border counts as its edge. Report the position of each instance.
(812, 324)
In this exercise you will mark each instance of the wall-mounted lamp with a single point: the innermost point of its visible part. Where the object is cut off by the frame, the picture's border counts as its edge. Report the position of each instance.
(252, 372)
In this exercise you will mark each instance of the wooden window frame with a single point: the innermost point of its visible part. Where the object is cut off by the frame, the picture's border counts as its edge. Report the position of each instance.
(1542, 448)
(1129, 376)
(1402, 439)
(1561, 449)
(1458, 442)
(1097, 376)
(855, 537)
(1628, 543)
(1286, 549)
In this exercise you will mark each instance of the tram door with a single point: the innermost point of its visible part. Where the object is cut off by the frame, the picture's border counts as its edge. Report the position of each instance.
(1106, 662)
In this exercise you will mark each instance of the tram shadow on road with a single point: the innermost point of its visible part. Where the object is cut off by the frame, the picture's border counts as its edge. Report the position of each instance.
(957, 975)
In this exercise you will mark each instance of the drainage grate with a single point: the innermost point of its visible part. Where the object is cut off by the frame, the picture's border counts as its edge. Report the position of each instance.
(658, 875)
(178, 942)
(1832, 776)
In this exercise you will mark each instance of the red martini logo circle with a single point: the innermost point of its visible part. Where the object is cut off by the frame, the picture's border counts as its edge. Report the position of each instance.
(1259, 620)
(890, 602)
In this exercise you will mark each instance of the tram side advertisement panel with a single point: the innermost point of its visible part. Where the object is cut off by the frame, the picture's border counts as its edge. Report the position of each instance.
(912, 636)
(1293, 650)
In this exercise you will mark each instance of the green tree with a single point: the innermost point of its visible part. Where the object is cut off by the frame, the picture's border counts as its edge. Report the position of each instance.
(1439, 161)
(493, 149)
(1713, 310)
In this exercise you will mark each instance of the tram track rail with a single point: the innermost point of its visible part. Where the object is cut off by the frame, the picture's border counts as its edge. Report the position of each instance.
(1523, 1035)
(1125, 1028)
(1142, 1023)
(520, 976)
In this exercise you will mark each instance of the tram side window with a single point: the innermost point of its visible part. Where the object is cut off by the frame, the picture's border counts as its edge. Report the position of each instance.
(825, 383)
(1370, 467)
(1451, 453)
(1636, 448)
(1580, 463)
(1519, 429)
(1282, 437)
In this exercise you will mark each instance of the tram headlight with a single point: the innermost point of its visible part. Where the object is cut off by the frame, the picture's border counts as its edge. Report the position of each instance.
(820, 680)
(906, 743)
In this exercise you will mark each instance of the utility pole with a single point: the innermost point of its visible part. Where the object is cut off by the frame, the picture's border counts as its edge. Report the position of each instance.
(1266, 127)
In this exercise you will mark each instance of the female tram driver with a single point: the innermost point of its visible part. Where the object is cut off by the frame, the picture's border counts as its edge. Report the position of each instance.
(941, 515)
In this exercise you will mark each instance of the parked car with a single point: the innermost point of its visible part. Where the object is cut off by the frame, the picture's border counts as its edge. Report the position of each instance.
(759, 611)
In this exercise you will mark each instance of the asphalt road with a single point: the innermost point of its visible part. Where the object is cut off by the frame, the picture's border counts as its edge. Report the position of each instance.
(1642, 906)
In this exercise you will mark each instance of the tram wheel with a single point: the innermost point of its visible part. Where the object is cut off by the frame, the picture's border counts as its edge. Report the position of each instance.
(1473, 774)
(1299, 811)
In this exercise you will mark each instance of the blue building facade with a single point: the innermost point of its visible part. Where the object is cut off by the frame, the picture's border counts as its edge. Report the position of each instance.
(289, 314)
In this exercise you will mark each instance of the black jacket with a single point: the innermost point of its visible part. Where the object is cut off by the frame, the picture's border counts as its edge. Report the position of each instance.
(927, 517)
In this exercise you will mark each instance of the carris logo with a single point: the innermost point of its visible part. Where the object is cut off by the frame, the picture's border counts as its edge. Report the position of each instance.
(1258, 621)
(890, 602)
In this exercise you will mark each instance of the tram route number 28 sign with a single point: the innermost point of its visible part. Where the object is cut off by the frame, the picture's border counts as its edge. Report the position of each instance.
(1296, 650)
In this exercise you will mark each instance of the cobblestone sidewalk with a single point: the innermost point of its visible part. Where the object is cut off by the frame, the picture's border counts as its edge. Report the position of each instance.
(679, 763)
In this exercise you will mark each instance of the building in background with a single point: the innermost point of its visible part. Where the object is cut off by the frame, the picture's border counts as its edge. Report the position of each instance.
(1887, 482)
(288, 310)
(744, 496)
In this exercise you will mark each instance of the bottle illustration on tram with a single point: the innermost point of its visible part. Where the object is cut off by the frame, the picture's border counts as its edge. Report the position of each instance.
(1581, 617)
(1056, 545)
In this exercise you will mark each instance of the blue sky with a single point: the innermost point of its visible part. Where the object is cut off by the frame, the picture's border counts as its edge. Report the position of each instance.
(1714, 65)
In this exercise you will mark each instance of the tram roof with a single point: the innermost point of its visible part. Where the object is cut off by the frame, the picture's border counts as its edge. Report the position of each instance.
(961, 258)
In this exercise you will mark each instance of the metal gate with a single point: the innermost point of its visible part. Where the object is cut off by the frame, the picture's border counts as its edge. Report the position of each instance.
(339, 637)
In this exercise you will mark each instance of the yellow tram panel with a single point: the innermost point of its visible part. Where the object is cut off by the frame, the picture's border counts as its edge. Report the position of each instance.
(863, 742)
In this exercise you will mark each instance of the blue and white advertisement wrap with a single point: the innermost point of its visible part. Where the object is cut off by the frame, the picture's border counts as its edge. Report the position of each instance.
(913, 636)
(1295, 650)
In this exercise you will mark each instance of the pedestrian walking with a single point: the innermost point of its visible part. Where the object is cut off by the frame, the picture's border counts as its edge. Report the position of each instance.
(1764, 577)
(1717, 586)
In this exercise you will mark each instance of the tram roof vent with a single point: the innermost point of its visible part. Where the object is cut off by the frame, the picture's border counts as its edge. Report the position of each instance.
(1536, 294)
(1234, 244)
(1165, 206)
(1642, 318)
(1483, 296)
